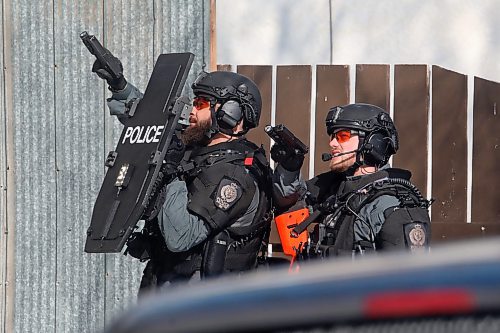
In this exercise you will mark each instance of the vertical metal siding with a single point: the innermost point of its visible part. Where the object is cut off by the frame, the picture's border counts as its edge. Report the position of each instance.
(129, 34)
(79, 122)
(35, 177)
(3, 189)
(184, 26)
(62, 133)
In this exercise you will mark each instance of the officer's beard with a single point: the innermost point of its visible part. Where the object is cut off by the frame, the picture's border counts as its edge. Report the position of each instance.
(196, 135)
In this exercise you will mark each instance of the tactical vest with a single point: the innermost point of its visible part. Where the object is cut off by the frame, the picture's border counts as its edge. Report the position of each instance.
(406, 225)
(220, 188)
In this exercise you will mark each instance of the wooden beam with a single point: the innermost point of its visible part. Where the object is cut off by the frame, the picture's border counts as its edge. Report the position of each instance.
(213, 36)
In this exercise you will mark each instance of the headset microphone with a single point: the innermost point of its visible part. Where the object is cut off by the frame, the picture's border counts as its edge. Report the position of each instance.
(325, 157)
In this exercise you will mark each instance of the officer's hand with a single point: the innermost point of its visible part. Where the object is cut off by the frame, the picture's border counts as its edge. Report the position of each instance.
(287, 158)
(174, 155)
(115, 84)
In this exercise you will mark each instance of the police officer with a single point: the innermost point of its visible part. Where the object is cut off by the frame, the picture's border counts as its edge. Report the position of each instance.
(213, 218)
(362, 203)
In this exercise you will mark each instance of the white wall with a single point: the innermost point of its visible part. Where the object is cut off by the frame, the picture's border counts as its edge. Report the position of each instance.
(456, 34)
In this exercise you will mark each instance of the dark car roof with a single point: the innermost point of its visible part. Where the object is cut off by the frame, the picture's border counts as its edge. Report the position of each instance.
(452, 280)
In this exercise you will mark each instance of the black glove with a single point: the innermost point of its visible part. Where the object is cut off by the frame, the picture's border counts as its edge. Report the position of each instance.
(138, 246)
(174, 155)
(115, 84)
(289, 159)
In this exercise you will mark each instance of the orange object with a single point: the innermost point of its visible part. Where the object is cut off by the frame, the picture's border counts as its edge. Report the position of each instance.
(285, 224)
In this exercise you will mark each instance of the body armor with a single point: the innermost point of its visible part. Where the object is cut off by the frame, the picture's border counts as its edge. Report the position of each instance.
(406, 225)
(220, 189)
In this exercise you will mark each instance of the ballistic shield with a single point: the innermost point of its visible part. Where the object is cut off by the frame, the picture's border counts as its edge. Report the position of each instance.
(134, 166)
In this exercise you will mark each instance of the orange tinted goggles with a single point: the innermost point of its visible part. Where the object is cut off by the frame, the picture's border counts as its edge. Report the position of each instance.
(343, 135)
(201, 103)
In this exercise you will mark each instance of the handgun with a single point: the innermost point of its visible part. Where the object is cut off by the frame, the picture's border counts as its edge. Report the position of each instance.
(106, 58)
(283, 137)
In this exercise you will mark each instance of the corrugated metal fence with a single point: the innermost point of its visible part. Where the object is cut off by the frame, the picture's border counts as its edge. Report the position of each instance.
(448, 124)
(55, 132)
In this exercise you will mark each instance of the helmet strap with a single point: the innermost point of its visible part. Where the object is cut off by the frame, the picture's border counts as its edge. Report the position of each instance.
(230, 132)
(214, 127)
(361, 150)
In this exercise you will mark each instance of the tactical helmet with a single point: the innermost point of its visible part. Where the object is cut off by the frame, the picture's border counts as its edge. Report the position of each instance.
(237, 95)
(378, 137)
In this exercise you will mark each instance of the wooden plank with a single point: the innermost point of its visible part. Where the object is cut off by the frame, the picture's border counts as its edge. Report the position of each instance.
(411, 117)
(293, 103)
(486, 152)
(372, 85)
(213, 36)
(225, 68)
(332, 89)
(449, 146)
(263, 77)
(446, 232)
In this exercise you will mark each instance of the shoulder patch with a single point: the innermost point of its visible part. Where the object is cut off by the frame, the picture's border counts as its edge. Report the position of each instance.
(228, 193)
(416, 236)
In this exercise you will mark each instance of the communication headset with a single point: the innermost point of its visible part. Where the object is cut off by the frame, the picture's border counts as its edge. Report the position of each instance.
(376, 149)
(235, 108)
(380, 144)
(229, 114)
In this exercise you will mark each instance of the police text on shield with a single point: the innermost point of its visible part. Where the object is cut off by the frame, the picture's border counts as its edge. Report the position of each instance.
(143, 134)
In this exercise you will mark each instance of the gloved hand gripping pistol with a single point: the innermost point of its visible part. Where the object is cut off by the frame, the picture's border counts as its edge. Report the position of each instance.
(289, 151)
(107, 66)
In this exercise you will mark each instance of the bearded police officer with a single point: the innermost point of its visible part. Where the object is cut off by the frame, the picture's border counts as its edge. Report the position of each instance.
(213, 219)
(361, 203)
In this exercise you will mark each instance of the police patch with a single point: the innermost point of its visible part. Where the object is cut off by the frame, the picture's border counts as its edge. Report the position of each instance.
(228, 193)
(416, 236)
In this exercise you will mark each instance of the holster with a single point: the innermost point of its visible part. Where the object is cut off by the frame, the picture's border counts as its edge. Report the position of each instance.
(215, 255)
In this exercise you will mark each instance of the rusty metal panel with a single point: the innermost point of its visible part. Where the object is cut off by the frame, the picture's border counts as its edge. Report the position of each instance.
(130, 35)
(79, 122)
(293, 103)
(449, 146)
(372, 85)
(32, 48)
(332, 88)
(486, 152)
(183, 26)
(411, 117)
(262, 76)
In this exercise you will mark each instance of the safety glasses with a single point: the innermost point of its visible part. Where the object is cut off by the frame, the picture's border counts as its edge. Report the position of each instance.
(343, 135)
(200, 103)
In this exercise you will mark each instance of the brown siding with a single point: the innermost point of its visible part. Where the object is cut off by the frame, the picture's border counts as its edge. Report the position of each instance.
(372, 85)
(225, 68)
(486, 153)
(442, 232)
(293, 103)
(411, 116)
(332, 88)
(449, 146)
(262, 76)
